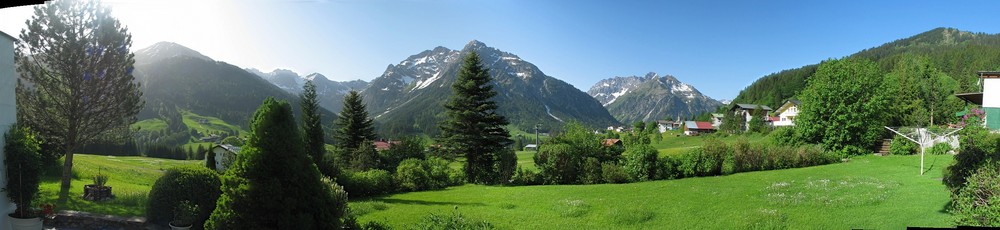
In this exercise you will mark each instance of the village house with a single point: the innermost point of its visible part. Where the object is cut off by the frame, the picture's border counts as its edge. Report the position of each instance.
(717, 119)
(384, 145)
(695, 128)
(225, 155)
(787, 113)
(747, 111)
(988, 98)
(612, 142)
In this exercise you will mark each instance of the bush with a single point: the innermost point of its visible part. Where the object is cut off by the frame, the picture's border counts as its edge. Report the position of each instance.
(407, 148)
(367, 183)
(559, 164)
(339, 196)
(640, 162)
(198, 185)
(902, 146)
(689, 163)
(525, 177)
(668, 168)
(612, 173)
(591, 171)
(412, 175)
(977, 146)
(714, 153)
(978, 202)
(24, 165)
(785, 136)
(441, 175)
(940, 149)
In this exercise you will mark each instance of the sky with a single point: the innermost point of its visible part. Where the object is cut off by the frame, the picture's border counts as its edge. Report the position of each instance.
(719, 47)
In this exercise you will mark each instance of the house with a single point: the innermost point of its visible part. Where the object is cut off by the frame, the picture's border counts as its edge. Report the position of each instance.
(664, 125)
(384, 145)
(531, 147)
(787, 113)
(210, 138)
(612, 142)
(988, 98)
(695, 128)
(747, 111)
(225, 155)
(717, 119)
(8, 80)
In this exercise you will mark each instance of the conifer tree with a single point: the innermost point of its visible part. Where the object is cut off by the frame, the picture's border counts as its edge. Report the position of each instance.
(353, 126)
(76, 85)
(311, 127)
(274, 184)
(473, 127)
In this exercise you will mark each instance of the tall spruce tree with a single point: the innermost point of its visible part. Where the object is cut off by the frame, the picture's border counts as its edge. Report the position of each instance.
(311, 127)
(76, 85)
(473, 127)
(274, 184)
(353, 126)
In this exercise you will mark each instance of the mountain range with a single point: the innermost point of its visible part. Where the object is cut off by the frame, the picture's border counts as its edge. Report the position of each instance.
(409, 96)
(330, 93)
(650, 97)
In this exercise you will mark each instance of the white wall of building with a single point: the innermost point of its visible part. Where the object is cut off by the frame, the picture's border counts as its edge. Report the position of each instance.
(991, 97)
(8, 112)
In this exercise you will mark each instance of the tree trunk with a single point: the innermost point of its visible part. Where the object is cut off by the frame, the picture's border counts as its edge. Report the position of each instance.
(67, 174)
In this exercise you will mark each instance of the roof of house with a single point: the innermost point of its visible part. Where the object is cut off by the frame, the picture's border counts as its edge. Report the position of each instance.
(531, 146)
(664, 122)
(773, 119)
(750, 106)
(718, 115)
(610, 142)
(974, 98)
(989, 74)
(228, 147)
(698, 125)
(384, 145)
(788, 104)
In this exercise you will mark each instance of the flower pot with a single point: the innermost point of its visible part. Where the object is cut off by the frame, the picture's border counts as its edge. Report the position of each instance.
(25, 224)
(179, 227)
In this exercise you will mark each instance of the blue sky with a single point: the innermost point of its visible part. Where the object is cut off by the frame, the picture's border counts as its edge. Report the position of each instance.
(719, 47)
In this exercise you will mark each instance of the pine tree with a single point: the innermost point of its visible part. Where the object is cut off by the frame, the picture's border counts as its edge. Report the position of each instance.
(311, 127)
(472, 126)
(353, 126)
(76, 84)
(209, 159)
(274, 184)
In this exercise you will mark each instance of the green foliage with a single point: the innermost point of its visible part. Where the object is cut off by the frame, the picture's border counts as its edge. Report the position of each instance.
(976, 147)
(76, 84)
(758, 121)
(561, 160)
(640, 163)
(611, 172)
(367, 183)
(363, 158)
(939, 149)
(591, 172)
(902, 146)
(773, 89)
(733, 123)
(353, 125)
(274, 178)
(978, 202)
(920, 93)
(840, 109)
(455, 221)
(185, 214)
(101, 179)
(200, 186)
(785, 136)
(473, 127)
(407, 148)
(339, 195)
(23, 168)
(312, 128)
(719, 158)
(526, 177)
(412, 175)
(210, 160)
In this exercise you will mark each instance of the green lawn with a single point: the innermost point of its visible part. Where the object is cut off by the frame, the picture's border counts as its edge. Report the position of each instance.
(154, 124)
(867, 192)
(213, 124)
(130, 179)
(675, 142)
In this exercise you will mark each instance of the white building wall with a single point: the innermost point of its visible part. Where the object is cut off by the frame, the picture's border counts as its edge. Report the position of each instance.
(991, 92)
(8, 112)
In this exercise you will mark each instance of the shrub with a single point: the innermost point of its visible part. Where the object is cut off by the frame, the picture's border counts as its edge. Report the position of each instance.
(525, 177)
(505, 164)
(714, 153)
(978, 202)
(940, 149)
(689, 163)
(412, 175)
(185, 214)
(591, 171)
(640, 162)
(24, 165)
(902, 146)
(785, 136)
(339, 196)
(441, 175)
(198, 185)
(668, 168)
(559, 164)
(367, 183)
(746, 158)
(612, 173)
(408, 147)
(977, 146)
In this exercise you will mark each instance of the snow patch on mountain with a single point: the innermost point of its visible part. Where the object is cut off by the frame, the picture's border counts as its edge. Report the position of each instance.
(549, 111)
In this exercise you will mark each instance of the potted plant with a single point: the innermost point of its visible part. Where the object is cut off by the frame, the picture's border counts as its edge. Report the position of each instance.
(184, 215)
(23, 166)
(98, 191)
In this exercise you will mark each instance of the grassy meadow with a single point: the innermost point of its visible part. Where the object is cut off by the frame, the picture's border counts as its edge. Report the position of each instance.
(130, 178)
(866, 192)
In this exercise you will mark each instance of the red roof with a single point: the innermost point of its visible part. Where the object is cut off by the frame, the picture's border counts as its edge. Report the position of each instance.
(774, 118)
(610, 142)
(701, 125)
(382, 145)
